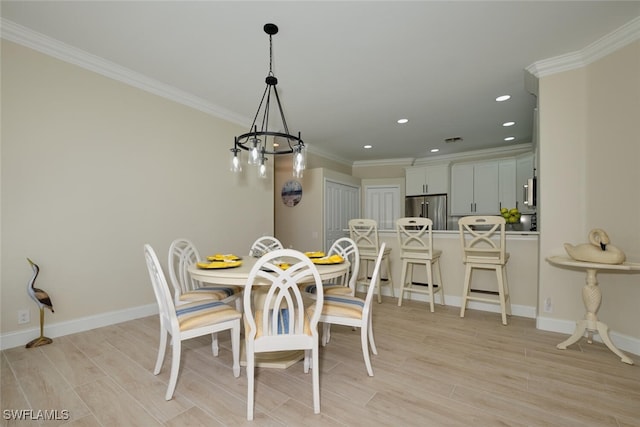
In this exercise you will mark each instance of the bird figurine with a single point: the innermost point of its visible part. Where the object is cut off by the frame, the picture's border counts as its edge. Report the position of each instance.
(598, 250)
(42, 299)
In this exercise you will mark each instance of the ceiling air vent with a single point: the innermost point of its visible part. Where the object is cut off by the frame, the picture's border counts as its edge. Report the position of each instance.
(453, 139)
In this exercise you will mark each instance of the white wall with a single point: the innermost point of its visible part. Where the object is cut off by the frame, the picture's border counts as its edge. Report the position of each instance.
(589, 154)
(91, 170)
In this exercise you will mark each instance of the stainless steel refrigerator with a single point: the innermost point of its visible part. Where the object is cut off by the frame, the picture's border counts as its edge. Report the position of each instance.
(433, 207)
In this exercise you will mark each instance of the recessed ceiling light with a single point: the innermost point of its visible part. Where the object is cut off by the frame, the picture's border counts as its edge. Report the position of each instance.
(435, 150)
(510, 138)
(368, 146)
(403, 121)
(503, 98)
(507, 124)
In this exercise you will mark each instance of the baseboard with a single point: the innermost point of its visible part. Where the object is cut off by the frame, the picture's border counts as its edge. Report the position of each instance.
(456, 301)
(16, 339)
(53, 330)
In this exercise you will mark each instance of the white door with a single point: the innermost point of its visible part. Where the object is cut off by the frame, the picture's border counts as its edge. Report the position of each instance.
(383, 205)
(341, 203)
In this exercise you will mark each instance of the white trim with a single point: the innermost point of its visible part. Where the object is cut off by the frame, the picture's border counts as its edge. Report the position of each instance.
(623, 342)
(16, 33)
(456, 301)
(628, 33)
(384, 162)
(22, 337)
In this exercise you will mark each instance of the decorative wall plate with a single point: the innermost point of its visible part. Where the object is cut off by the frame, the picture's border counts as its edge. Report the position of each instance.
(291, 193)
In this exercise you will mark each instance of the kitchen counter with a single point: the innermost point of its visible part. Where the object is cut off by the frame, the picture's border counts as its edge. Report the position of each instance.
(522, 270)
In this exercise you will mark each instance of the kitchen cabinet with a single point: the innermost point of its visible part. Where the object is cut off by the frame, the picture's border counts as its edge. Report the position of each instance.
(427, 180)
(507, 184)
(482, 188)
(524, 171)
(474, 188)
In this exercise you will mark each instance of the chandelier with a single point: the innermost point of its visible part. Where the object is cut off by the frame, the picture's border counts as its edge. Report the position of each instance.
(256, 140)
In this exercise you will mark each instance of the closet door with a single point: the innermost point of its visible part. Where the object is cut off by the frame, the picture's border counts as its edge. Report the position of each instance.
(342, 202)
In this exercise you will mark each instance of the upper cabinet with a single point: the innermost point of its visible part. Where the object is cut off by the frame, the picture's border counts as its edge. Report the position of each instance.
(524, 171)
(507, 184)
(427, 180)
(482, 188)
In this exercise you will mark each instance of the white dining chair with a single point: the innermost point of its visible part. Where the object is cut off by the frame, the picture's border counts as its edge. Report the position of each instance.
(346, 284)
(263, 245)
(415, 240)
(276, 319)
(483, 242)
(190, 320)
(355, 312)
(183, 254)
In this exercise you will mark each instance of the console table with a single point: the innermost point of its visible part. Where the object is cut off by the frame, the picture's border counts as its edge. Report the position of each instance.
(592, 296)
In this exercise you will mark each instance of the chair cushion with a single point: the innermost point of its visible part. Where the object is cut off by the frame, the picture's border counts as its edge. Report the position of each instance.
(283, 322)
(196, 314)
(328, 289)
(210, 292)
(343, 306)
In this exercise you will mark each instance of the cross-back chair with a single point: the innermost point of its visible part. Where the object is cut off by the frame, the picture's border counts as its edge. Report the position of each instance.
(483, 242)
(415, 240)
(364, 232)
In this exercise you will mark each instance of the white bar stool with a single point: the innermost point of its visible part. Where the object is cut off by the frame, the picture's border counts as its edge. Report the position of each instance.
(365, 233)
(484, 247)
(415, 239)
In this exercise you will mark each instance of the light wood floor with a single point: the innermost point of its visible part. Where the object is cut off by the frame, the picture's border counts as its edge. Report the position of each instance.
(433, 369)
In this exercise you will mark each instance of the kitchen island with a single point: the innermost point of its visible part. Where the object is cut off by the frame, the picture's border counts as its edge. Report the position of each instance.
(522, 271)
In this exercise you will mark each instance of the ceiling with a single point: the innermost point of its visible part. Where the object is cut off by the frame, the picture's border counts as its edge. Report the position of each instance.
(347, 70)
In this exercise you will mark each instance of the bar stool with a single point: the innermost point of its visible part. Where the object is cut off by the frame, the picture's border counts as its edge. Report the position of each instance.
(365, 233)
(415, 239)
(484, 247)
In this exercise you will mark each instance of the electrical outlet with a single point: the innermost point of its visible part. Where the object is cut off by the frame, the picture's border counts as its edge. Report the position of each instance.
(23, 317)
(548, 308)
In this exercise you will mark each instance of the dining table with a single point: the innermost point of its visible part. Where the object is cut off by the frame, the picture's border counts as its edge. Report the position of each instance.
(238, 276)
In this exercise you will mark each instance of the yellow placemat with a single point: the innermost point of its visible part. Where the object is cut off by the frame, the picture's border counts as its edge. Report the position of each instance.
(219, 264)
(223, 257)
(333, 259)
(314, 254)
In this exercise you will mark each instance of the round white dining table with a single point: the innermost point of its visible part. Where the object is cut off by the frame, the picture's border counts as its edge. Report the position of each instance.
(239, 276)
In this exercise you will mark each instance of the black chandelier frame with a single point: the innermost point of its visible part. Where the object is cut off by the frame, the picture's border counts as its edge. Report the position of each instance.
(248, 140)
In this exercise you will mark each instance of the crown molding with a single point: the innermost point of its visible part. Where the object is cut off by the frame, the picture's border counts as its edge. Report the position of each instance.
(16, 33)
(384, 162)
(512, 150)
(509, 151)
(627, 34)
(322, 153)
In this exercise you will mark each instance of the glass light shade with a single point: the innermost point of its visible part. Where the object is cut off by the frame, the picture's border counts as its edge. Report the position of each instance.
(299, 160)
(236, 164)
(262, 170)
(254, 153)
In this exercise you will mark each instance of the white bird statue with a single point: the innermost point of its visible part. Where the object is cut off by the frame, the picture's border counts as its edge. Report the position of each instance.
(598, 249)
(42, 299)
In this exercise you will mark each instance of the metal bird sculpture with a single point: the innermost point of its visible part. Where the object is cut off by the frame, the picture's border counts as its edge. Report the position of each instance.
(42, 299)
